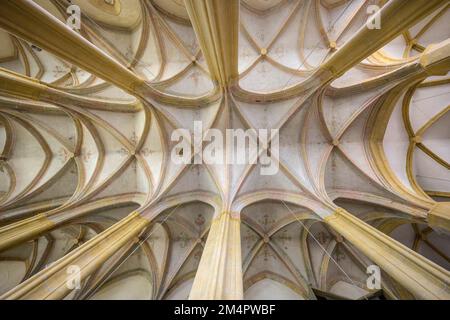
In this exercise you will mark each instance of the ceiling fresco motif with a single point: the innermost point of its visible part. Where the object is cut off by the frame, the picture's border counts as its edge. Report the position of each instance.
(87, 180)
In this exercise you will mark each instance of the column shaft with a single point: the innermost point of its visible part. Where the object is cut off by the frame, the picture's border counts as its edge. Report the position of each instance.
(21, 231)
(423, 278)
(439, 216)
(29, 21)
(216, 24)
(52, 282)
(395, 17)
(219, 274)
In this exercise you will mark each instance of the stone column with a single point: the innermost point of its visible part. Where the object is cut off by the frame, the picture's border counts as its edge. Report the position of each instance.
(19, 232)
(395, 16)
(219, 274)
(216, 24)
(53, 282)
(29, 21)
(423, 278)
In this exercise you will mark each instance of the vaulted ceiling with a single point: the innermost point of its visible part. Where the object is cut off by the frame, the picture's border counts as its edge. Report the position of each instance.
(85, 124)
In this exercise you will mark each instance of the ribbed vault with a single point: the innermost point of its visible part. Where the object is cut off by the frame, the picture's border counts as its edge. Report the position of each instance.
(86, 176)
